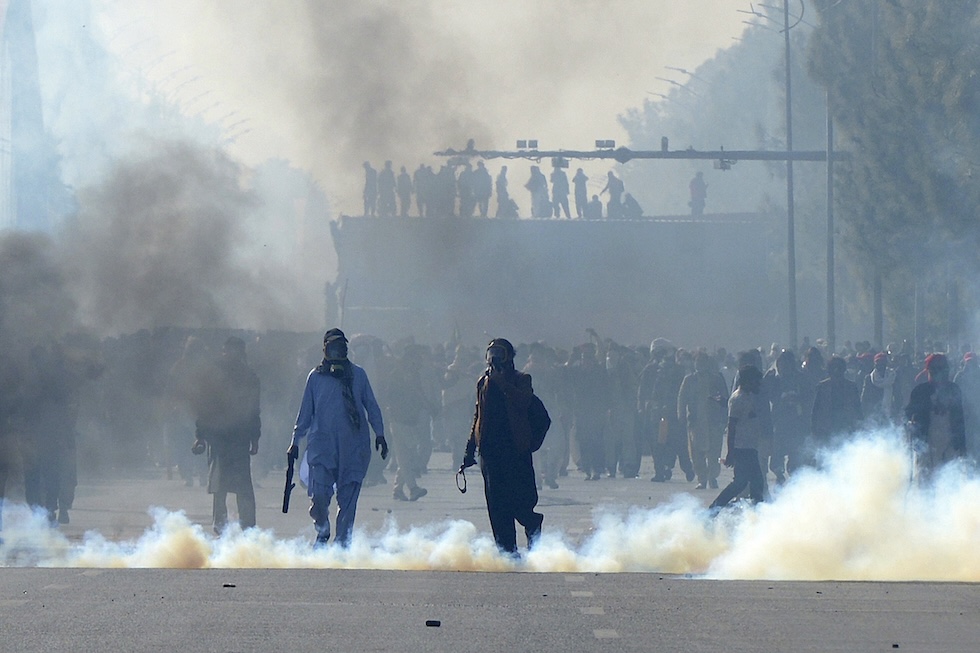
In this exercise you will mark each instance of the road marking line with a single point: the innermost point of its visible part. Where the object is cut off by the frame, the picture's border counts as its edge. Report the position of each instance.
(574, 579)
(605, 634)
(582, 594)
(592, 610)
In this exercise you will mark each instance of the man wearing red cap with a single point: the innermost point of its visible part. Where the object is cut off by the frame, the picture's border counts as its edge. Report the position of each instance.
(935, 415)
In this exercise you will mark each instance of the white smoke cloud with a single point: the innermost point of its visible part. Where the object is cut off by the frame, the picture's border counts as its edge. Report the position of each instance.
(857, 519)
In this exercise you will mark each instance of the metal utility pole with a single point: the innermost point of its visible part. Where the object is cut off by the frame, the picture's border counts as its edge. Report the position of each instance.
(831, 304)
(790, 217)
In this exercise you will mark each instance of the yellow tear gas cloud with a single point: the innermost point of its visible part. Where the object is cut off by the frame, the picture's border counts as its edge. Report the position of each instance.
(856, 518)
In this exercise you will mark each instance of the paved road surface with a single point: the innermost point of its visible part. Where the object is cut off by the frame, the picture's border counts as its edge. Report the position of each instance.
(360, 610)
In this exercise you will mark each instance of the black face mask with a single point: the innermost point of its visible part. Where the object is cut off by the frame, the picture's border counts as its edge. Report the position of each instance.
(497, 358)
(336, 350)
(335, 358)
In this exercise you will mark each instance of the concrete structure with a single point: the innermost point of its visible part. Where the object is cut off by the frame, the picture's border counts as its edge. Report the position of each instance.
(696, 282)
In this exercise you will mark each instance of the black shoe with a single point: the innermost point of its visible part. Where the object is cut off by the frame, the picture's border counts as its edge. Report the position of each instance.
(659, 478)
(690, 476)
(552, 484)
(417, 493)
(399, 495)
(63, 516)
(320, 542)
(713, 483)
(700, 486)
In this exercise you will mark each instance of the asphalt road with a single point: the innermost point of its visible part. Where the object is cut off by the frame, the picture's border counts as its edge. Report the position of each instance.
(348, 610)
(78, 609)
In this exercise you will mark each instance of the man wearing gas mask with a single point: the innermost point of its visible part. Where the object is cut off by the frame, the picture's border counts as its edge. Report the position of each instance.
(501, 432)
(332, 414)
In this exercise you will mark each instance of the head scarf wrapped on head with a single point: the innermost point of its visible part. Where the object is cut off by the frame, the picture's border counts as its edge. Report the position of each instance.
(335, 364)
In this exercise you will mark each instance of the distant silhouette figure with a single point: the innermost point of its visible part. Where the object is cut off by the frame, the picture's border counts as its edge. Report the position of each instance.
(699, 192)
(445, 192)
(538, 186)
(482, 188)
(559, 192)
(370, 190)
(631, 208)
(593, 210)
(465, 183)
(404, 187)
(386, 191)
(581, 193)
(420, 179)
(503, 195)
(614, 186)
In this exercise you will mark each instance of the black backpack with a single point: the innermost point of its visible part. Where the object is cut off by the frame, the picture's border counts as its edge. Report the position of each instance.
(540, 421)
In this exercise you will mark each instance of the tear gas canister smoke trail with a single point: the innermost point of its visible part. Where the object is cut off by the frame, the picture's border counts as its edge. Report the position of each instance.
(856, 519)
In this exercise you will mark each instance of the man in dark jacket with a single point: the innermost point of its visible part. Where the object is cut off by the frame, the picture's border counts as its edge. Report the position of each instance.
(782, 385)
(836, 405)
(501, 432)
(228, 426)
(671, 443)
(935, 415)
(968, 379)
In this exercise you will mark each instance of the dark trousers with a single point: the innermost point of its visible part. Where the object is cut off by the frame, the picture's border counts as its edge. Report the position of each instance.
(42, 480)
(747, 473)
(508, 483)
(673, 451)
(246, 509)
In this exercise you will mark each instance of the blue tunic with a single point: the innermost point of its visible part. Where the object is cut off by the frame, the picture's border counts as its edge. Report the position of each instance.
(333, 443)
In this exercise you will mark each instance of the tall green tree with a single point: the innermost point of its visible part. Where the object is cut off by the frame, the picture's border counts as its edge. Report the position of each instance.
(737, 100)
(904, 82)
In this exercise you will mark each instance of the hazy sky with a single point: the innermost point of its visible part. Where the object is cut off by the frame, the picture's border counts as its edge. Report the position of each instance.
(329, 83)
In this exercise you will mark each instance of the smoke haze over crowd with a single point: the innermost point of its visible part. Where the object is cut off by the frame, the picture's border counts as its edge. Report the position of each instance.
(859, 518)
(203, 150)
(330, 84)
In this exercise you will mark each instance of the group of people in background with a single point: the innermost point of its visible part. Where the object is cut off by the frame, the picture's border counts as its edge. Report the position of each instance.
(468, 192)
(130, 402)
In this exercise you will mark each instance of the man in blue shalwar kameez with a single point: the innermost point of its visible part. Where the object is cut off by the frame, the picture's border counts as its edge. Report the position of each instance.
(332, 415)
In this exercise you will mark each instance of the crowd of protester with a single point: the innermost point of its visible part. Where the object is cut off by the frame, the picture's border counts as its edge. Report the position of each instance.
(461, 189)
(105, 407)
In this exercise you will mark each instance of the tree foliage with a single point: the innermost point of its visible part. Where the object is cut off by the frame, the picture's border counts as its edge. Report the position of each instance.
(903, 78)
